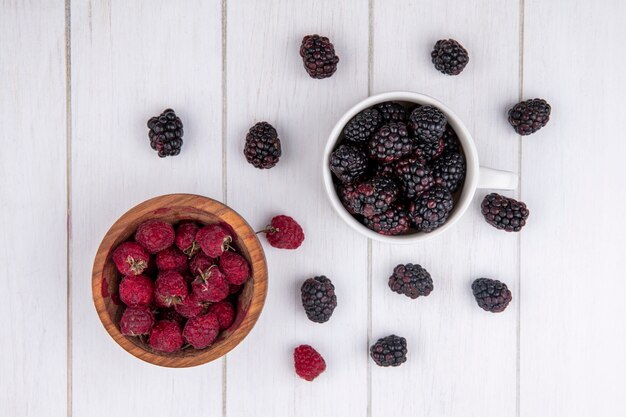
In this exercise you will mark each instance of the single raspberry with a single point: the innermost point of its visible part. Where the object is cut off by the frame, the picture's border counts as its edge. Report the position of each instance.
(170, 314)
(391, 111)
(166, 133)
(185, 238)
(170, 289)
(449, 57)
(427, 124)
(136, 290)
(131, 258)
(348, 163)
(225, 313)
(235, 267)
(202, 330)
(449, 171)
(390, 143)
(308, 362)
(431, 209)
(393, 221)
(389, 351)
(491, 295)
(155, 235)
(166, 336)
(414, 177)
(371, 197)
(171, 259)
(200, 263)
(262, 148)
(214, 240)
(427, 151)
(210, 286)
(136, 321)
(362, 126)
(411, 280)
(504, 213)
(318, 298)
(190, 307)
(529, 116)
(284, 232)
(318, 56)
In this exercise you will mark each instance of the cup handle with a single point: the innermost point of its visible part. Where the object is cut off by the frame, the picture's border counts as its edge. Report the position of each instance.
(494, 178)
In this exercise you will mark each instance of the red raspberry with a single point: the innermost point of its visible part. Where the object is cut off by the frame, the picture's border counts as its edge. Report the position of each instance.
(166, 336)
(171, 259)
(201, 331)
(136, 290)
(155, 235)
(214, 239)
(185, 239)
(235, 267)
(190, 307)
(170, 288)
(170, 314)
(131, 258)
(200, 263)
(225, 313)
(210, 286)
(136, 321)
(283, 232)
(309, 364)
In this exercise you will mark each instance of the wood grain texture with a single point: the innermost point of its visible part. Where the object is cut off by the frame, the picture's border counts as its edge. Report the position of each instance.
(573, 336)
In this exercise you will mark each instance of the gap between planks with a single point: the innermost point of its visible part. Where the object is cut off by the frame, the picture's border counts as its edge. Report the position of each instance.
(68, 202)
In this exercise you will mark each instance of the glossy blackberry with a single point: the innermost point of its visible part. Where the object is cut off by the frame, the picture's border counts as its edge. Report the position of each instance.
(390, 143)
(449, 170)
(262, 148)
(391, 111)
(348, 163)
(504, 213)
(393, 221)
(318, 298)
(449, 56)
(529, 116)
(362, 126)
(411, 280)
(427, 151)
(427, 123)
(414, 176)
(431, 209)
(371, 197)
(491, 295)
(389, 351)
(451, 140)
(318, 56)
(166, 133)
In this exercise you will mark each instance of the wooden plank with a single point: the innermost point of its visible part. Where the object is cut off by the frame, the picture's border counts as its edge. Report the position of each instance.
(266, 81)
(573, 336)
(462, 360)
(131, 60)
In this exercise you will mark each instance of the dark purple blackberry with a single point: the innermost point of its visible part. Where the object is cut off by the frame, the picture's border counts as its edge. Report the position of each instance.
(431, 209)
(345, 192)
(529, 116)
(262, 148)
(389, 351)
(390, 143)
(393, 221)
(449, 57)
(411, 280)
(362, 126)
(348, 163)
(414, 176)
(491, 295)
(451, 140)
(166, 133)
(504, 213)
(371, 197)
(318, 298)
(449, 170)
(427, 151)
(427, 123)
(318, 56)
(391, 111)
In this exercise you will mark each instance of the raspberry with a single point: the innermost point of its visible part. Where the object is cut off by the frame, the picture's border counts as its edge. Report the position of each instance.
(362, 126)
(170, 314)
(504, 213)
(318, 298)
(210, 286)
(284, 232)
(308, 362)
(262, 148)
(427, 123)
(235, 267)
(371, 197)
(393, 221)
(529, 116)
(391, 111)
(155, 235)
(348, 163)
(136, 321)
(389, 351)
(214, 240)
(166, 336)
(411, 280)
(171, 259)
(390, 143)
(170, 289)
(200, 263)
(201, 331)
(190, 307)
(491, 295)
(449, 57)
(136, 290)
(431, 209)
(225, 313)
(131, 258)
(414, 176)
(449, 171)
(166, 133)
(185, 238)
(318, 56)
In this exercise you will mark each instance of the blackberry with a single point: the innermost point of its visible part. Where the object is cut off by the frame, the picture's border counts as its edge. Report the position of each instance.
(393, 221)
(389, 351)
(318, 298)
(390, 143)
(451, 140)
(348, 163)
(345, 192)
(414, 176)
(166, 133)
(491, 295)
(318, 56)
(449, 57)
(449, 170)
(262, 148)
(504, 213)
(430, 210)
(362, 126)
(371, 197)
(427, 123)
(427, 151)
(411, 280)
(391, 111)
(529, 116)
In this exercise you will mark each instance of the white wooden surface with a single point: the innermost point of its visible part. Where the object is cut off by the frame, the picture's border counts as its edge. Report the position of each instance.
(74, 156)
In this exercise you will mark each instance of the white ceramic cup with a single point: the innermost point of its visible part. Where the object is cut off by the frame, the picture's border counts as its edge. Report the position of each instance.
(475, 176)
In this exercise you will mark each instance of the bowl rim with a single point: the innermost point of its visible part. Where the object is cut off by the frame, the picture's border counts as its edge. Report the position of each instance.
(259, 289)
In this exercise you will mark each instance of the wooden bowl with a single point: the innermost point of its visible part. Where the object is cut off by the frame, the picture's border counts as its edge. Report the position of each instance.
(173, 208)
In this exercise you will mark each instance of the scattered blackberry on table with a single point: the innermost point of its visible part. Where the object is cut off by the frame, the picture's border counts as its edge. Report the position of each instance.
(389, 351)
(491, 295)
(362, 126)
(371, 197)
(262, 148)
(411, 280)
(308, 362)
(318, 298)
(504, 213)
(449, 170)
(318, 56)
(348, 163)
(390, 143)
(393, 221)
(391, 111)
(414, 176)
(449, 57)
(427, 151)
(451, 140)
(529, 116)
(166, 133)
(431, 209)
(427, 123)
